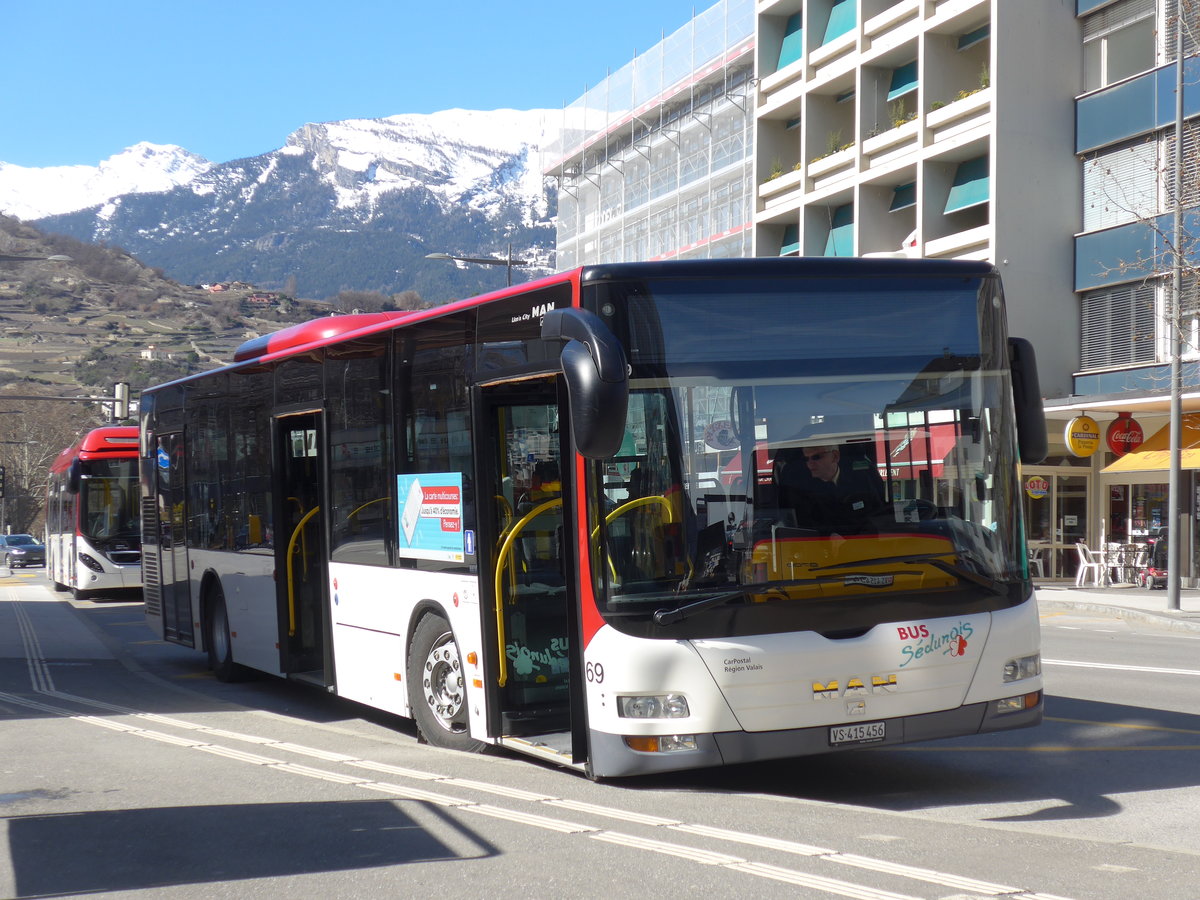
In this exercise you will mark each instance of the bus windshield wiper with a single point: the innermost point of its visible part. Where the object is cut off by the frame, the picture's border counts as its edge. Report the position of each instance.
(679, 613)
(937, 560)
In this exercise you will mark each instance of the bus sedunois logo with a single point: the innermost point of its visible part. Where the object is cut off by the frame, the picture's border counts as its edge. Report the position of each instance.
(856, 686)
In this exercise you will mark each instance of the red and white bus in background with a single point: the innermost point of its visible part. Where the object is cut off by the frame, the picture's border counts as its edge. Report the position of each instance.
(503, 517)
(93, 538)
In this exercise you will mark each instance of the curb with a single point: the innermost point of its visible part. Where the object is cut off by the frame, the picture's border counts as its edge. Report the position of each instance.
(1164, 619)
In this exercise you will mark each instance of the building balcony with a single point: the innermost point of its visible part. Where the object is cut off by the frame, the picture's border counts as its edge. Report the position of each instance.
(784, 97)
(832, 168)
(888, 29)
(893, 144)
(960, 118)
(974, 243)
(774, 191)
(833, 58)
(949, 9)
(780, 78)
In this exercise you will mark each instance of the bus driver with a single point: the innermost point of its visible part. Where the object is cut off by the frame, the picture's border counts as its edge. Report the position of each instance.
(837, 498)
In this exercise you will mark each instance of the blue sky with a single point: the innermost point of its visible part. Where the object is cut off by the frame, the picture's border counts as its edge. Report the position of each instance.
(232, 78)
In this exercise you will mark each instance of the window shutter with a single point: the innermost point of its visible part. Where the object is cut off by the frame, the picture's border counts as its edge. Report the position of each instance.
(1118, 327)
(1112, 18)
(1121, 186)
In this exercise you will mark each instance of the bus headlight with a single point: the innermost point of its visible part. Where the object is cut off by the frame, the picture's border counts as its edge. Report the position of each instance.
(90, 562)
(1022, 668)
(653, 706)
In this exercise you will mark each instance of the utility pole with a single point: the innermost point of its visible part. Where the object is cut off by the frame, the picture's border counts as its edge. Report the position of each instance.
(1175, 479)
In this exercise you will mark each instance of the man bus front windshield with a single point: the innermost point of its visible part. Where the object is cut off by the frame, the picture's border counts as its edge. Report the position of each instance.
(837, 464)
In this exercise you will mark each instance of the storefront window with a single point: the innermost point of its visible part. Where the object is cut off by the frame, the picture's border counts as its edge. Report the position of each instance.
(1148, 509)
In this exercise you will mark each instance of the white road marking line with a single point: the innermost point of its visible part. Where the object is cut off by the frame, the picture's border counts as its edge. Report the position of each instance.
(414, 774)
(695, 854)
(335, 777)
(1153, 670)
(511, 815)
(164, 738)
(918, 874)
(326, 755)
(608, 811)
(412, 793)
(240, 755)
(237, 736)
(755, 840)
(502, 790)
(819, 883)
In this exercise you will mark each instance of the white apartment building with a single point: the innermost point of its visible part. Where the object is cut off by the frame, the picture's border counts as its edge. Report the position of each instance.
(944, 126)
(655, 161)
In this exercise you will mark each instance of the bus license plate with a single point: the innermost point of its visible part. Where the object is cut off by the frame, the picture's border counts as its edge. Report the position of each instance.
(861, 733)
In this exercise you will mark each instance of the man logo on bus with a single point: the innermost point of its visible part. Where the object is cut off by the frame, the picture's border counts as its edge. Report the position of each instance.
(856, 686)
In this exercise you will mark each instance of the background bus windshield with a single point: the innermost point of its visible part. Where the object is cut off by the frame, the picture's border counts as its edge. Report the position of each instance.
(792, 442)
(109, 499)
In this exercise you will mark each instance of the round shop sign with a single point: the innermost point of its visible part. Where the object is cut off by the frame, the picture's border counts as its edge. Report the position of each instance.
(721, 436)
(1037, 487)
(1124, 435)
(1082, 436)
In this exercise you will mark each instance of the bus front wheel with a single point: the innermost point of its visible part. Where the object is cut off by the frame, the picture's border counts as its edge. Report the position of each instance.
(437, 686)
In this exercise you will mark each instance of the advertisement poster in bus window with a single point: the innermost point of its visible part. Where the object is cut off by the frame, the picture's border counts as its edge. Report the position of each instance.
(431, 516)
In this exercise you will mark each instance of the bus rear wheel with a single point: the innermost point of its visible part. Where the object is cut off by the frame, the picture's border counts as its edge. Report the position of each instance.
(219, 640)
(437, 686)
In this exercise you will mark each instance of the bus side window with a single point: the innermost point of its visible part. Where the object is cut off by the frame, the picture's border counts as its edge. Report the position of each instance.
(360, 450)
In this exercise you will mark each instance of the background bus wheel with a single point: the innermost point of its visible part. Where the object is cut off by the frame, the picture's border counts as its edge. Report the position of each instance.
(437, 686)
(220, 642)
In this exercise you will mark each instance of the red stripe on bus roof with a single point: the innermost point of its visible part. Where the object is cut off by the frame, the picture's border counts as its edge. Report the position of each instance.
(323, 332)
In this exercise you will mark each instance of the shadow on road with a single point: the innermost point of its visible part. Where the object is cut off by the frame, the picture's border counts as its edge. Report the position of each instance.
(137, 849)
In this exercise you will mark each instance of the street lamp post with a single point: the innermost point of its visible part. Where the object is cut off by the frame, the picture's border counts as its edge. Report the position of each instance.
(508, 262)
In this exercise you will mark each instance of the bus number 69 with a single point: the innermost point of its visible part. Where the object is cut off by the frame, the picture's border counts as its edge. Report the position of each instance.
(595, 672)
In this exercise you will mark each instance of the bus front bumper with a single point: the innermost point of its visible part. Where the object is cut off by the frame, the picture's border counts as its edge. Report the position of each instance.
(611, 757)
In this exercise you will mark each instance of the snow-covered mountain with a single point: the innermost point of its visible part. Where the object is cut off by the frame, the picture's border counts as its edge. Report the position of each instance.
(351, 205)
(33, 193)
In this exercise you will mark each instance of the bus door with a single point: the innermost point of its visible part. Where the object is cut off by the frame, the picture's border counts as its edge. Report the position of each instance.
(528, 590)
(171, 494)
(300, 564)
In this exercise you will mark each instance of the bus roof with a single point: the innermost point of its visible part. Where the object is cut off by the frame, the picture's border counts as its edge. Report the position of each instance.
(333, 329)
(108, 442)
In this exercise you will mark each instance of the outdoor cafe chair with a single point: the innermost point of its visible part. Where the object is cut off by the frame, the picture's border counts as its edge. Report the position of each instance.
(1091, 566)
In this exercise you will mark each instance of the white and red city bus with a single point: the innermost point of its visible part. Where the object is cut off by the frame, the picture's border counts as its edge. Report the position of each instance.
(499, 517)
(93, 540)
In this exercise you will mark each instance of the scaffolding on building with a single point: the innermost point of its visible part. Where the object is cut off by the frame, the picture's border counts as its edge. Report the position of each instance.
(655, 162)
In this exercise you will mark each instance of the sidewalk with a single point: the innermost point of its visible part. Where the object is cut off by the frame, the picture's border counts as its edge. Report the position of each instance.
(1125, 601)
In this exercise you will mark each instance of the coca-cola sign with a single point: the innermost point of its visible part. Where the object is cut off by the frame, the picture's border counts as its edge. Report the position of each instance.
(1124, 434)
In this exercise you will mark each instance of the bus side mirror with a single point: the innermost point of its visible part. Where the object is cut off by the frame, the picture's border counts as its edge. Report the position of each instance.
(596, 373)
(74, 476)
(1027, 401)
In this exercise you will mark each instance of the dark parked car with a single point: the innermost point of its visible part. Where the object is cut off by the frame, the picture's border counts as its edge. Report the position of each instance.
(21, 550)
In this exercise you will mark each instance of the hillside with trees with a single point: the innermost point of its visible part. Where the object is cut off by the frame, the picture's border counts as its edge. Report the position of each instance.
(73, 325)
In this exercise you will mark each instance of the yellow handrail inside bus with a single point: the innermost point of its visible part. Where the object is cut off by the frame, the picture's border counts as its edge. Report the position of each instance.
(355, 512)
(304, 540)
(655, 499)
(290, 581)
(508, 511)
(502, 558)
